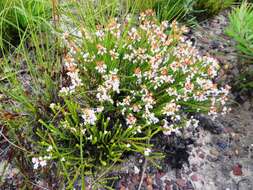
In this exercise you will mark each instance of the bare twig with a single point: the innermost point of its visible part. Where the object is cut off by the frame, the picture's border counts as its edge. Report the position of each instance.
(11, 143)
(103, 174)
(143, 173)
(37, 185)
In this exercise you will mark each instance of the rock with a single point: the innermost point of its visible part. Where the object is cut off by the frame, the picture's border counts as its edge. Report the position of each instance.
(122, 187)
(214, 44)
(194, 168)
(189, 186)
(167, 187)
(149, 180)
(149, 187)
(181, 182)
(246, 105)
(211, 158)
(245, 184)
(174, 187)
(194, 177)
(237, 170)
(214, 126)
(178, 174)
(222, 145)
(135, 179)
(202, 155)
(235, 71)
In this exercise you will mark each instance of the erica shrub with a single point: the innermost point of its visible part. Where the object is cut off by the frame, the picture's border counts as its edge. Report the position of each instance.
(121, 85)
(118, 86)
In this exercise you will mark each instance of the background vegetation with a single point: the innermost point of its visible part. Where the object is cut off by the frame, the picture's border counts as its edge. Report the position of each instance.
(17, 15)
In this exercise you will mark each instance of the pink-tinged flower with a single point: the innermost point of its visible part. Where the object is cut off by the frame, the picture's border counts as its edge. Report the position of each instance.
(171, 109)
(131, 120)
(39, 162)
(112, 81)
(126, 101)
(101, 67)
(189, 86)
(213, 111)
(114, 55)
(100, 34)
(101, 49)
(133, 34)
(136, 108)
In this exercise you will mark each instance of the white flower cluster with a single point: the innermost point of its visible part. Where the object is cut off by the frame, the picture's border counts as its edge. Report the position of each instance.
(89, 115)
(111, 83)
(150, 76)
(40, 162)
(71, 69)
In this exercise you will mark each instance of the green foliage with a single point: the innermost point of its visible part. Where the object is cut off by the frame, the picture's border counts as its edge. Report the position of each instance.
(17, 15)
(184, 10)
(168, 9)
(175, 9)
(212, 7)
(241, 28)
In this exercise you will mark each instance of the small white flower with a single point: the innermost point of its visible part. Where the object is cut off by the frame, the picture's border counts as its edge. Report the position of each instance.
(52, 106)
(49, 148)
(90, 138)
(83, 131)
(147, 152)
(43, 163)
(35, 160)
(136, 170)
(89, 116)
(64, 91)
(36, 166)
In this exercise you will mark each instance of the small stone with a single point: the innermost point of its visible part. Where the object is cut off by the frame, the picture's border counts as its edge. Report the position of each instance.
(168, 182)
(202, 155)
(236, 152)
(178, 174)
(246, 105)
(167, 187)
(181, 182)
(237, 170)
(174, 187)
(189, 186)
(149, 187)
(214, 44)
(149, 180)
(214, 152)
(194, 168)
(236, 137)
(135, 179)
(210, 158)
(194, 177)
(222, 145)
(227, 130)
(122, 187)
